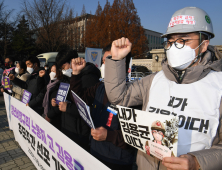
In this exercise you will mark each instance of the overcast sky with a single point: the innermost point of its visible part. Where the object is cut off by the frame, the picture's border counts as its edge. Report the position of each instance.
(154, 14)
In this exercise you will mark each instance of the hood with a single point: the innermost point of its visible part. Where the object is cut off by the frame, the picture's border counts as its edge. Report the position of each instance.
(91, 69)
(211, 60)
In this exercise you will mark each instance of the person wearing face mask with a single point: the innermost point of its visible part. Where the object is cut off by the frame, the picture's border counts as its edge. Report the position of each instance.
(9, 63)
(107, 52)
(46, 101)
(21, 74)
(189, 86)
(35, 84)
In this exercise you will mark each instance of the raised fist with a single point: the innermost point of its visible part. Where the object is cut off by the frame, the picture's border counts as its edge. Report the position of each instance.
(11, 77)
(120, 48)
(41, 73)
(77, 65)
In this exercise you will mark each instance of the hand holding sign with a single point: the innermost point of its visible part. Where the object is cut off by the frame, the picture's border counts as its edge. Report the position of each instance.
(182, 162)
(62, 106)
(11, 76)
(120, 48)
(99, 134)
(53, 102)
(77, 65)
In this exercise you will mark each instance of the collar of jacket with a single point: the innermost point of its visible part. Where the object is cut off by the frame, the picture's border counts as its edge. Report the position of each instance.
(211, 60)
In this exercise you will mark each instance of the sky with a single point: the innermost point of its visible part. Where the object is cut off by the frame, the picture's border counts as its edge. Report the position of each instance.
(154, 14)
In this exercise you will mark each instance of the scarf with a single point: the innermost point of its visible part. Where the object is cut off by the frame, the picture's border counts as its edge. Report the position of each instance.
(45, 103)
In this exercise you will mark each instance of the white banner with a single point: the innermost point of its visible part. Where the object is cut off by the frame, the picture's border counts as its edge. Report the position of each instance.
(156, 135)
(47, 147)
(93, 55)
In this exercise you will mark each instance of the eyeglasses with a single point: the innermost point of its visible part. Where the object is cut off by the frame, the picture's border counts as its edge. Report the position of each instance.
(179, 43)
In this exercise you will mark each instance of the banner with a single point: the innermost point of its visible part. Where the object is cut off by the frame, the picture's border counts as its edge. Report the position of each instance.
(47, 147)
(156, 135)
(93, 55)
(83, 109)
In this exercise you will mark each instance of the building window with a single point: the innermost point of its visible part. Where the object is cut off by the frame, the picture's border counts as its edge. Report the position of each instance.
(162, 40)
(151, 39)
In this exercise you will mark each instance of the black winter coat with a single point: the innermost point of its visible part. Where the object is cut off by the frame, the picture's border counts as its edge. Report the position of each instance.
(36, 86)
(70, 122)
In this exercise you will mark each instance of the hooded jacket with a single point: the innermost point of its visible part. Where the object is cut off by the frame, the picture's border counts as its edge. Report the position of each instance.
(137, 93)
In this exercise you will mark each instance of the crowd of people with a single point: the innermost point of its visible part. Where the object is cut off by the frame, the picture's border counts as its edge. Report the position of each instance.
(191, 70)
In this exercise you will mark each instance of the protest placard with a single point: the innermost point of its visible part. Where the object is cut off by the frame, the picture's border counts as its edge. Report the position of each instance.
(6, 84)
(47, 147)
(156, 135)
(62, 92)
(83, 110)
(93, 55)
(26, 97)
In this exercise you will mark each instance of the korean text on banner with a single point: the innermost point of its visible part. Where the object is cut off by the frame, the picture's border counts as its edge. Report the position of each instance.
(46, 146)
(62, 92)
(93, 55)
(83, 109)
(156, 135)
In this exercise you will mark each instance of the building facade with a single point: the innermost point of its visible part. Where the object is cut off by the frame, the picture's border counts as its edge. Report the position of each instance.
(154, 39)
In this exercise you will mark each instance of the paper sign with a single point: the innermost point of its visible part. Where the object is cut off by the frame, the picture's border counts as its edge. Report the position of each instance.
(154, 134)
(182, 19)
(158, 150)
(26, 97)
(62, 92)
(83, 110)
(6, 84)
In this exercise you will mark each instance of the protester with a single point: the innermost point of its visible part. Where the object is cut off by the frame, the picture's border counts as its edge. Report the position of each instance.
(71, 123)
(191, 73)
(107, 52)
(52, 83)
(34, 84)
(21, 74)
(46, 67)
(107, 143)
(9, 62)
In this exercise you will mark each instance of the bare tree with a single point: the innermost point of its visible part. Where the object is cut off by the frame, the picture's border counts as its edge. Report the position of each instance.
(6, 28)
(83, 10)
(50, 20)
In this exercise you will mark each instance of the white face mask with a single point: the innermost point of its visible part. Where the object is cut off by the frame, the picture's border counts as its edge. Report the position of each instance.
(102, 69)
(67, 72)
(52, 76)
(30, 70)
(181, 58)
(17, 70)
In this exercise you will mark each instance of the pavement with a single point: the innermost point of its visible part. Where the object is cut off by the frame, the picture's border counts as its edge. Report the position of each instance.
(12, 156)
